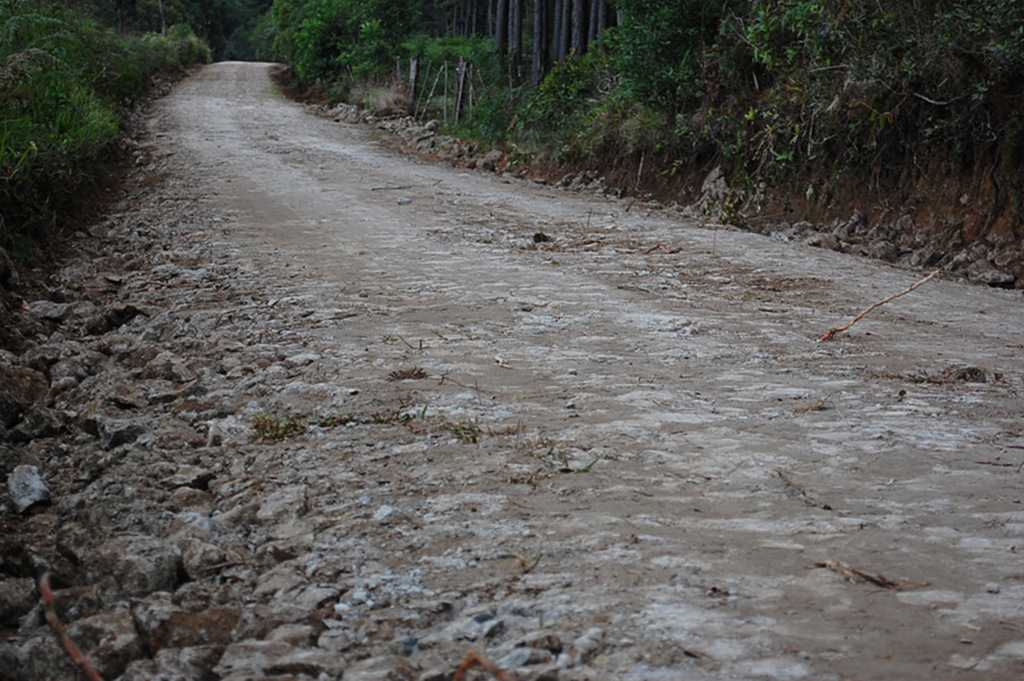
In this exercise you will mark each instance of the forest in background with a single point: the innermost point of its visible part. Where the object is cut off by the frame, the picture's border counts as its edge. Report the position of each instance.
(809, 107)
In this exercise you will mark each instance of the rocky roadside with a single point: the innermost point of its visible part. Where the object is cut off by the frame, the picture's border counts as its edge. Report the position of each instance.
(147, 407)
(898, 240)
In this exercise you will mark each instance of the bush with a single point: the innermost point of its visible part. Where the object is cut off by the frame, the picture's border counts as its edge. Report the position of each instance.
(64, 81)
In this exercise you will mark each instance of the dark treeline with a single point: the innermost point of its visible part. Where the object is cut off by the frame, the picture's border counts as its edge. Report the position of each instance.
(230, 27)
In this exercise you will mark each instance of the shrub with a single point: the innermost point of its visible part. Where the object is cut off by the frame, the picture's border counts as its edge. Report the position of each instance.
(63, 83)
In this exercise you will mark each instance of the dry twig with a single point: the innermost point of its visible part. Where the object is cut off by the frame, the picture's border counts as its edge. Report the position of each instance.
(475, 659)
(410, 374)
(855, 575)
(835, 332)
(49, 603)
(808, 499)
(817, 405)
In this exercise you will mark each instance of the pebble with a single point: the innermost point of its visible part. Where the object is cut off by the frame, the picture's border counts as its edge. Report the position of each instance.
(28, 489)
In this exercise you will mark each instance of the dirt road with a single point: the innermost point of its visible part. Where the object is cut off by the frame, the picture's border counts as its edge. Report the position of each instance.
(616, 451)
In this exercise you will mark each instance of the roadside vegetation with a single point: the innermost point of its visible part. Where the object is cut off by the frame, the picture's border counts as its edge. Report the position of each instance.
(66, 83)
(806, 101)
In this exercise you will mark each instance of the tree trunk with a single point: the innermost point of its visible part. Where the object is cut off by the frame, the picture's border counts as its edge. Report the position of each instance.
(515, 38)
(578, 27)
(501, 27)
(540, 41)
(562, 37)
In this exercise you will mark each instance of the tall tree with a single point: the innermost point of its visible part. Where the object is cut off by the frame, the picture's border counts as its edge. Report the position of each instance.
(561, 37)
(501, 27)
(515, 31)
(578, 27)
(540, 41)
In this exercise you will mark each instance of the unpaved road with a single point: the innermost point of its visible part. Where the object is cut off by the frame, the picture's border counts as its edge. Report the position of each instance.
(626, 438)
(693, 378)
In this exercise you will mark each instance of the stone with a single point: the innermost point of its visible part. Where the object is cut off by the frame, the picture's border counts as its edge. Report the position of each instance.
(37, 423)
(110, 640)
(823, 240)
(260, 659)
(113, 432)
(522, 657)
(28, 489)
(884, 250)
(50, 311)
(182, 629)
(200, 559)
(111, 318)
(491, 160)
(17, 598)
(133, 566)
(20, 388)
(176, 664)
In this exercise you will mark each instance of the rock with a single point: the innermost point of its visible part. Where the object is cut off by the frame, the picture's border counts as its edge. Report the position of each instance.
(40, 657)
(111, 317)
(133, 565)
(49, 311)
(491, 160)
(200, 559)
(113, 432)
(823, 240)
(182, 629)
(20, 388)
(176, 664)
(17, 598)
(984, 272)
(884, 250)
(28, 489)
(260, 659)
(924, 258)
(285, 504)
(522, 657)
(110, 639)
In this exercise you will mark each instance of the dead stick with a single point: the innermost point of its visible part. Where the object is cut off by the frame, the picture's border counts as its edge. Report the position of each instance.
(475, 659)
(835, 332)
(50, 609)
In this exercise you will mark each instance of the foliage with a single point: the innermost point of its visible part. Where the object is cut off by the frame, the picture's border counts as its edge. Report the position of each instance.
(63, 82)
(658, 48)
(338, 41)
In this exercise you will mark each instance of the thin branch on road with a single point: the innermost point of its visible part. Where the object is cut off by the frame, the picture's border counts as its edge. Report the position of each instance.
(835, 332)
(49, 602)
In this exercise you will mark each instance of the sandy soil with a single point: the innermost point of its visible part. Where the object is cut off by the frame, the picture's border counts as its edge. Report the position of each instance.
(626, 426)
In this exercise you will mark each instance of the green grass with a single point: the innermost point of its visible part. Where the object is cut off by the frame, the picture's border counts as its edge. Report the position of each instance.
(65, 84)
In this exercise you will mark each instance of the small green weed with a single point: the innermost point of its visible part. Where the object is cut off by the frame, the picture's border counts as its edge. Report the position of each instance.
(268, 428)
